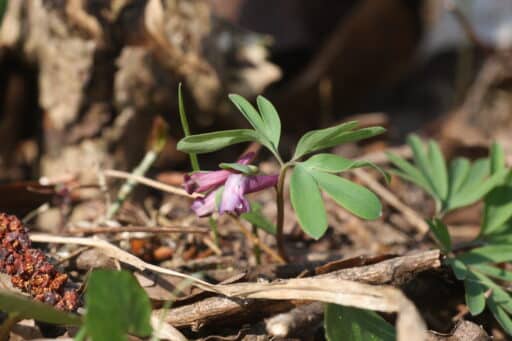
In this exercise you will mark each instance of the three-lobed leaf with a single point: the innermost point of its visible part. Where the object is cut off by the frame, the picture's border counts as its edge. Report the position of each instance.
(116, 305)
(474, 294)
(333, 136)
(353, 324)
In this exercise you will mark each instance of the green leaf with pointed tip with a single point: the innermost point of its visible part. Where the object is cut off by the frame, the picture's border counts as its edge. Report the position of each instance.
(487, 254)
(307, 202)
(470, 195)
(330, 163)
(500, 315)
(494, 272)
(30, 309)
(238, 167)
(210, 142)
(410, 173)
(498, 209)
(422, 161)
(438, 170)
(116, 306)
(256, 218)
(333, 136)
(353, 324)
(353, 197)
(497, 158)
(327, 162)
(440, 231)
(475, 294)
(312, 139)
(249, 112)
(270, 119)
(459, 170)
(477, 173)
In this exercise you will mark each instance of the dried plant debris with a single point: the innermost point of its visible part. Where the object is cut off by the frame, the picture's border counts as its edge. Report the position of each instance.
(30, 269)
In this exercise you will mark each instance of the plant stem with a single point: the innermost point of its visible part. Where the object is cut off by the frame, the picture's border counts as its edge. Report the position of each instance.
(186, 130)
(215, 231)
(280, 212)
(256, 249)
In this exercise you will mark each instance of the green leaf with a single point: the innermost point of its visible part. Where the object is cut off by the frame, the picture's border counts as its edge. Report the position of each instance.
(471, 194)
(353, 197)
(494, 272)
(410, 173)
(500, 315)
(438, 169)
(238, 167)
(210, 142)
(353, 324)
(194, 162)
(333, 136)
(475, 294)
(422, 161)
(440, 231)
(310, 140)
(498, 209)
(327, 162)
(487, 254)
(460, 270)
(249, 112)
(459, 170)
(30, 309)
(256, 218)
(497, 158)
(116, 305)
(330, 163)
(307, 202)
(271, 119)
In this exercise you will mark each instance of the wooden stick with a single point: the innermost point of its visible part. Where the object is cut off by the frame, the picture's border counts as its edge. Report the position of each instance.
(156, 229)
(112, 173)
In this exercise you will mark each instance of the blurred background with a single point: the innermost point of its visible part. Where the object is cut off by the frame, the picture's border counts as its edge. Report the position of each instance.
(82, 80)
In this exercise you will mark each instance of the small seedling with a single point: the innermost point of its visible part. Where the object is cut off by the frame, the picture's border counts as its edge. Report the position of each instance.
(225, 189)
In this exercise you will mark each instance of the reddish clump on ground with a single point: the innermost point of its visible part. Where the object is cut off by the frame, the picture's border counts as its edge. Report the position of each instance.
(29, 268)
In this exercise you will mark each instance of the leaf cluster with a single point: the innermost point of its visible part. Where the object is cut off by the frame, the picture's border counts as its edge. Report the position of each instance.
(462, 184)
(310, 177)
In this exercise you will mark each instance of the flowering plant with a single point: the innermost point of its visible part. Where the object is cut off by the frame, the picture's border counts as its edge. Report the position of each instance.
(225, 189)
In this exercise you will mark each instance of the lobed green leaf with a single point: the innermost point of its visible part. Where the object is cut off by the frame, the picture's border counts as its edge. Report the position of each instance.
(270, 119)
(210, 142)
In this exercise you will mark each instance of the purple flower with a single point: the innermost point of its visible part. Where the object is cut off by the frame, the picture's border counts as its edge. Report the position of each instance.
(236, 185)
(206, 181)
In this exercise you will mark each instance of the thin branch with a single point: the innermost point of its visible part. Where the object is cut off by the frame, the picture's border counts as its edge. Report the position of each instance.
(156, 229)
(151, 183)
(409, 214)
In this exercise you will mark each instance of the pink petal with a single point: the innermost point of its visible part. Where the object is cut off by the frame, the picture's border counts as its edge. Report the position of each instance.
(233, 199)
(259, 182)
(204, 206)
(205, 181)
